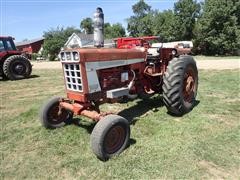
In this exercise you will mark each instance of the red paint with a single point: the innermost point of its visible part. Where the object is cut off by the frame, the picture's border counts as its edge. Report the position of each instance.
(7, 53)
(131, 42)
(31, 48)
(148, 77)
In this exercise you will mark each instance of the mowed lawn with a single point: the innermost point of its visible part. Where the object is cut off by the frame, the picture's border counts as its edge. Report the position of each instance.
(202, 144)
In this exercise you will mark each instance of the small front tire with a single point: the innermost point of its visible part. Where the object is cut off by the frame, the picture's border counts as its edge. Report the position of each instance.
(51, 117)
(110, 136)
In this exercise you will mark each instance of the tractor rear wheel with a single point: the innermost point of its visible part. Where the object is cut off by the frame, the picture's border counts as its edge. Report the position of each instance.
(52, 117)
(180, 83)
(17, 67)
(110, 136)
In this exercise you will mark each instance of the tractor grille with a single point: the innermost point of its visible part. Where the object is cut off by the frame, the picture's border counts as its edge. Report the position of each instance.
(73, 77)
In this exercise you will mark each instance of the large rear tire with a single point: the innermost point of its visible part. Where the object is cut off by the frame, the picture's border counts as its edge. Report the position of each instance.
(110, 136)
(180, 85)
(51, 117)
(17, 67)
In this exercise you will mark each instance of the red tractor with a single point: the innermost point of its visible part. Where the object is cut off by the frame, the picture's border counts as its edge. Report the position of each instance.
(94, 76)
(98, 75)
(13, 65)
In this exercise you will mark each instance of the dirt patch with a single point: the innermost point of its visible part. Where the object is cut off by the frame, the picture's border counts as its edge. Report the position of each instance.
(219, 64)
(47, 65)
(217, 172)
(202, 64)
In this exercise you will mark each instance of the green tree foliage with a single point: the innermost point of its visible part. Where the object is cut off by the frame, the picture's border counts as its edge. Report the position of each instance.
(186, 12)
(177, 25)
(218, 30)
(114, 30)
(55, 39)
(164, 25)
(140, 24)
(141, 9)
(87, 25)
(214, 27)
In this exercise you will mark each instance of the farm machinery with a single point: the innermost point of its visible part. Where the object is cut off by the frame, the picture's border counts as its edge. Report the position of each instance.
(13, 65)
(132, 42)
(98, 75)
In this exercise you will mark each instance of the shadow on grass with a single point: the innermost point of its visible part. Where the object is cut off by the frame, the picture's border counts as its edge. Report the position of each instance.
(142, 107)
(132, 113)
(87, 126)
(175, 115)
(33, 76)
(30, 77)
(131, 142)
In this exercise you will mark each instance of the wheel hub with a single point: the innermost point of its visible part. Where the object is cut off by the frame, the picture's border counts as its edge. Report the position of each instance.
(114, 139)
(57, 115)
(19, 68)
(189, 85)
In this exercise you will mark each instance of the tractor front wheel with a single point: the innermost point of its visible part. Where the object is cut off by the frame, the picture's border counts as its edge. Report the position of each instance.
(110, 136)
(17, 67)
(180, 85)
(51, 116)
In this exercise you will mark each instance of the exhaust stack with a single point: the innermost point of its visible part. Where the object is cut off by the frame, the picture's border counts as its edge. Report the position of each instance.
(98, 20)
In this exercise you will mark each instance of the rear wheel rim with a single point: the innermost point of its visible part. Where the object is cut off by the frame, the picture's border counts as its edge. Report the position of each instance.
(19, 68)
(114, 139)
(189, 85)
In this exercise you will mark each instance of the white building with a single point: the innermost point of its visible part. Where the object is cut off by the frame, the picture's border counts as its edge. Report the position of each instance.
(77, 40)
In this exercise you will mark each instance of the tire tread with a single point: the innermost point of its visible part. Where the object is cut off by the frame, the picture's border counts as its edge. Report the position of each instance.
(173, 83)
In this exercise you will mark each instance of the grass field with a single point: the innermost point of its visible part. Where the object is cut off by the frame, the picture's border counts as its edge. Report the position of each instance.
(202, 144)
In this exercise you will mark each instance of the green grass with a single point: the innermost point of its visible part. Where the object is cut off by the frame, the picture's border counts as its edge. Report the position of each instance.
(202, 144)
(216, 57)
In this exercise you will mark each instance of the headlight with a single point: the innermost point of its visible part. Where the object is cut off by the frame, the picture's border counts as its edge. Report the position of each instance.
(62, 56)
(174, 52)
(75, 56)
(68, 56)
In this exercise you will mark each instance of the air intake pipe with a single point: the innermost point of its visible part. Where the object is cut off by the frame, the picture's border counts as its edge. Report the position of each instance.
(98, 21)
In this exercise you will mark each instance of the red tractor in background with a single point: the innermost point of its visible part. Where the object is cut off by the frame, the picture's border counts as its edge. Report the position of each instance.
(13, 65)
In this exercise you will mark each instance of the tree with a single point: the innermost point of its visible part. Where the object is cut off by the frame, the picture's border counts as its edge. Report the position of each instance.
(114, 30)
(140, 23)
(141, 9)
(218, 30)
(186, 12)
(164, 25)
(87, 25)
(55, 39)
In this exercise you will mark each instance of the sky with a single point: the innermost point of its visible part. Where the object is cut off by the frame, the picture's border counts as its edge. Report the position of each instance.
(28, 19)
